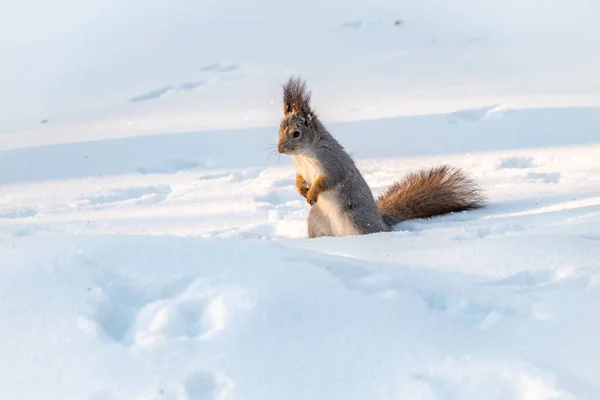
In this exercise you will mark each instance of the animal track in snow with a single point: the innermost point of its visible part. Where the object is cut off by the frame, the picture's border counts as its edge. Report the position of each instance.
(202, 317)
(360, 24)
(115, 301)
(487, 379)
(515, 163)
(544, 177)
(222, 67)
(279, 192)
(201, 384)
(525, 279)
(205, 385)
(186, 86)
(276, 228)
(237, 176)
(124, 313)
(101, 395)
(478, 114)
(482, 232)
(200, 312)
(151, 95)
(535, 278)
(16, 213)
(169, 167)
(132, 195)
(157, 93)
(278, 196)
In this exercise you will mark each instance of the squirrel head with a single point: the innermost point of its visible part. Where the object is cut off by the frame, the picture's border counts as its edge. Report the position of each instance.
(298, 128)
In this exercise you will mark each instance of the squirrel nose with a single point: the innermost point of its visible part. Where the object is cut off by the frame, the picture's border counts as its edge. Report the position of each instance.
(280, 148)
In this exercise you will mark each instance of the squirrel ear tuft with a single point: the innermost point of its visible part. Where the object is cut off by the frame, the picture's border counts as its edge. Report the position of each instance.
(296, 98)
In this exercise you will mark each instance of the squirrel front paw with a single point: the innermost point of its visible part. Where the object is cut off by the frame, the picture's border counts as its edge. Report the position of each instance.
(319, 186)
(303, 190)
(311, 197)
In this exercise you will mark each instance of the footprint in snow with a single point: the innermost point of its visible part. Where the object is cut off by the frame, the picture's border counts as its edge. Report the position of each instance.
(279, 192)
(202, 384)
(17, 213)
(478, 114)
(236, 176)
(170, 167)
(115, 302)
(361, 24)
(491, 231)
(132, 195)
(220, 67)
(154, 94)
(543, 177)
(515, 163)
(122, 312)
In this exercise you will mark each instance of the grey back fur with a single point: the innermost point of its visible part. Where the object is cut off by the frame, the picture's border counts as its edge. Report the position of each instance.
(354, 198)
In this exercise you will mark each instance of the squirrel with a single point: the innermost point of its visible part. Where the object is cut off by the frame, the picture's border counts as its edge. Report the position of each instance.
(341, 201)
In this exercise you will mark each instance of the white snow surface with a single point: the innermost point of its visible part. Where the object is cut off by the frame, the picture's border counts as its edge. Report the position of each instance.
(154, 245)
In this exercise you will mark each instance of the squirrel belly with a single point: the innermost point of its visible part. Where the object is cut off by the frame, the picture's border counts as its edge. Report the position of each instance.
(328, 218)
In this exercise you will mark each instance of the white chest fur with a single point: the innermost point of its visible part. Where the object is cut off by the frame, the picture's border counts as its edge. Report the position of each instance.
(308, 167)
(340, 222)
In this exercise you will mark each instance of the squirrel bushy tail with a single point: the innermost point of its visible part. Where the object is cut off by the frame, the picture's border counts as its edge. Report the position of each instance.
(429, 193)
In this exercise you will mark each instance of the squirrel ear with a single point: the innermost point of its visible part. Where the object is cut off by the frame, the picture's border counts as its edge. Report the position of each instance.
(296, 98)
(287, 107)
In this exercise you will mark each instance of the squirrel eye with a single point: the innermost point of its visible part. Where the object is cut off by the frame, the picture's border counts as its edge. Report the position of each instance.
(296, 134)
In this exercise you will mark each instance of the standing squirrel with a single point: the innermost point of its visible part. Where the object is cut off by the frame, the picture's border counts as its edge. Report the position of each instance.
(341, 201)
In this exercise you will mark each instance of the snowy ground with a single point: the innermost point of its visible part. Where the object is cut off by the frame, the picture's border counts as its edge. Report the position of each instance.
(139, 262)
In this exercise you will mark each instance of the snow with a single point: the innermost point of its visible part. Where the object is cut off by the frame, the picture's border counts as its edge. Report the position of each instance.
(154, 244)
